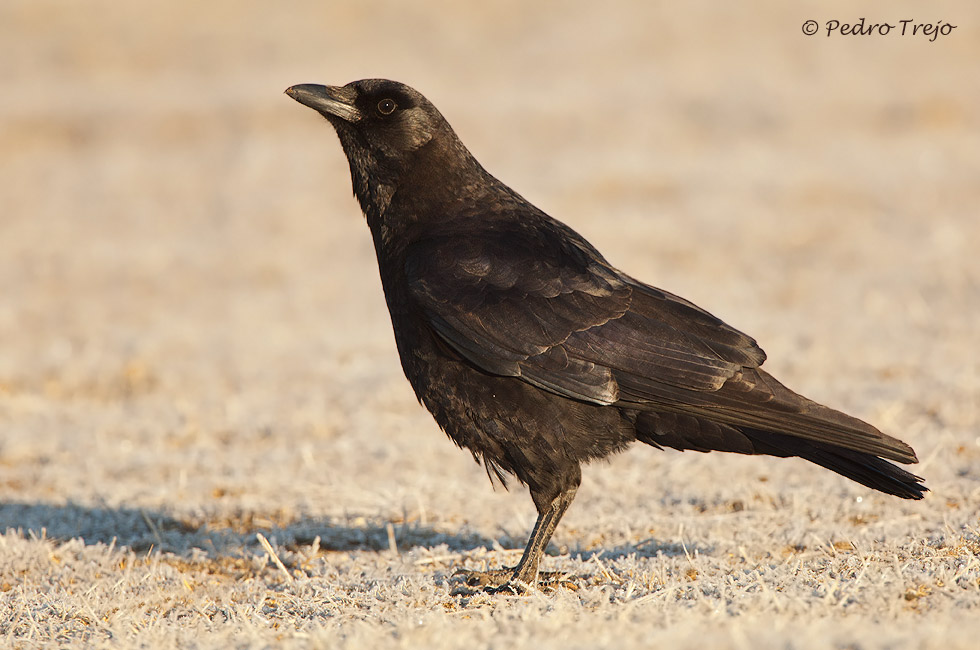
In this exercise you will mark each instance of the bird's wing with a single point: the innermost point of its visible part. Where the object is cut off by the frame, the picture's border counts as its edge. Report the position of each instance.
(541, 304)
(536, 301)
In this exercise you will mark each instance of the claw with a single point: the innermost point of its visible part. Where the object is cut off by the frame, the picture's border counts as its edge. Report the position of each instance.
(505, 581)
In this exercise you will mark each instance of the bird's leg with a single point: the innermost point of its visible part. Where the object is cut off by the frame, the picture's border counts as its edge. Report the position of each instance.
(525, 575)
(526, 571)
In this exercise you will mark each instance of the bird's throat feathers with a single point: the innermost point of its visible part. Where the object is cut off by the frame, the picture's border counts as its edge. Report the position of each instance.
(372, 188)
(436, 170)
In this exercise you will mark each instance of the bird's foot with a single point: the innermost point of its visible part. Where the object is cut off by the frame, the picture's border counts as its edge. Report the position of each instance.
(483, 579)
(505, 581)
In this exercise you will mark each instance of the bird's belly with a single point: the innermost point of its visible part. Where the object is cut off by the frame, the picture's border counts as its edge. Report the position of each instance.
(506, 422)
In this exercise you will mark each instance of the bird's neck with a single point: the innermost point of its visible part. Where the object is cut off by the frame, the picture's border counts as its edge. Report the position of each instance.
(428, 188)
(372, 183)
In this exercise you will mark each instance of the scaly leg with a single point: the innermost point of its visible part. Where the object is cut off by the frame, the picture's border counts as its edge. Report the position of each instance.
(524, 576)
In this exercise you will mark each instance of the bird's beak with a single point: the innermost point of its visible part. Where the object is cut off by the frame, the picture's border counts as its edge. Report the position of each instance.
(328, 100)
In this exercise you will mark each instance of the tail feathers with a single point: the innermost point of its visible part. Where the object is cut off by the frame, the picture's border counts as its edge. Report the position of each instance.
(866, 469)
(685, 431)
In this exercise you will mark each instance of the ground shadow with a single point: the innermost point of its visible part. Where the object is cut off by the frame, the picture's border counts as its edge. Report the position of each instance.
(147, 530)
(143, 530)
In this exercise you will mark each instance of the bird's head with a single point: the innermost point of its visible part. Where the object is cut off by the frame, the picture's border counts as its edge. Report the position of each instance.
(382, 125)
(387, 118)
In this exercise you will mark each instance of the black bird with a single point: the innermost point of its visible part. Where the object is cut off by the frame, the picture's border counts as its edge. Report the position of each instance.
(534, 352)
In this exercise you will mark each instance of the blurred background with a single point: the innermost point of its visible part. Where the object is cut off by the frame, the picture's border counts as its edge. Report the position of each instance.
(190, 313)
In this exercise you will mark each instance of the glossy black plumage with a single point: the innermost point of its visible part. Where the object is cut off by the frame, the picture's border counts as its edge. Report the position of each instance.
(536, 354)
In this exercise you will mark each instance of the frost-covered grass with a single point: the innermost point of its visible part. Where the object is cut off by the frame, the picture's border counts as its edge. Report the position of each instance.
(194, 348)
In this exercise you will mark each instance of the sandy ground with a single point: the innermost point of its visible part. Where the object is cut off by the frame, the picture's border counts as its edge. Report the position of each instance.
(194, 347)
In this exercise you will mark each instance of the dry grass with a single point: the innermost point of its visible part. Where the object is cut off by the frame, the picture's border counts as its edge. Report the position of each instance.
(194, 348)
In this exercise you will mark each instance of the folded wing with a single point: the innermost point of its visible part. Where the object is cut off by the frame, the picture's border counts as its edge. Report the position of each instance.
(534, 300)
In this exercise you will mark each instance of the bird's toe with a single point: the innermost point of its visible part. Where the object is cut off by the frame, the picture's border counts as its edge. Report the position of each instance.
(504, 581)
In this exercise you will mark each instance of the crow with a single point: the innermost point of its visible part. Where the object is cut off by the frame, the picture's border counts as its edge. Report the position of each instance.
(535, 353)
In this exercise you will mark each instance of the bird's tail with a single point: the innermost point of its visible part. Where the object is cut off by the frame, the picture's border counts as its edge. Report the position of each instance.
(866, 469)
(685, 431)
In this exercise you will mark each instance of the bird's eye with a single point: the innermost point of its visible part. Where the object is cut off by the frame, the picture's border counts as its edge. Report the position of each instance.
(387, 106)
